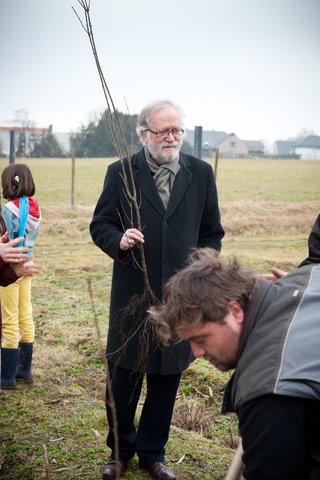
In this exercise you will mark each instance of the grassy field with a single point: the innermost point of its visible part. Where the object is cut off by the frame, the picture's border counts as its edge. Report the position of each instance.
(56, 428)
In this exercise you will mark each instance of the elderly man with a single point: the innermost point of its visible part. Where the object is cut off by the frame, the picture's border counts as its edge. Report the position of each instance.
(270, 333)
(179, 210)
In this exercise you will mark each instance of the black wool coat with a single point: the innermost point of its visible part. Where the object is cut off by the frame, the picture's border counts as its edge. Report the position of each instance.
(192, 219)
(313, 244)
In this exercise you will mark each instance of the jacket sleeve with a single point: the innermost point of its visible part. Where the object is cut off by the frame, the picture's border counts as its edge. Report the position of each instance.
(313, 244)
(273, 431)
(12, 223)
(105, 228)
(211, 231)
(7, 275)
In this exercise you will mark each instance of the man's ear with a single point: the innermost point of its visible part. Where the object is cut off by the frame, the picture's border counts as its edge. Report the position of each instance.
(236, 310)
(144, 136)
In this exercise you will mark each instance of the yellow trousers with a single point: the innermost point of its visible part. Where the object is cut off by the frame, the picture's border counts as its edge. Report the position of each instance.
(16, 309)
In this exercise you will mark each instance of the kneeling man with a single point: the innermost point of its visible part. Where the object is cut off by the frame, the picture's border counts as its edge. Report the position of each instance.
(270, 334)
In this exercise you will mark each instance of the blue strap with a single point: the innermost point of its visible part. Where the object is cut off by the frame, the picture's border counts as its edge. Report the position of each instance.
(24, 212)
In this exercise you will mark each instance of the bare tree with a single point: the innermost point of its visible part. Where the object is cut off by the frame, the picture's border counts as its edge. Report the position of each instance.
(24, 122)
(120, 144)
(117, 135)
(302, 134)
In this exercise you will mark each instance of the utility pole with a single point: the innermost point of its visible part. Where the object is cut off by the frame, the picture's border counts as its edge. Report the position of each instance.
(198, 141)
(12, 154)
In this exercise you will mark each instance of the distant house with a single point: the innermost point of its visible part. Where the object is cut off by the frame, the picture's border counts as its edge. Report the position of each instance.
(255, 147)
(309, 148)
(229, 145)
(306, 149)
(285, 148)
(31, 135)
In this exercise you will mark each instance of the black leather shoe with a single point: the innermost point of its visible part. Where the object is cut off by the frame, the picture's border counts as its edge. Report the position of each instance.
(160, 471)
(111, 467)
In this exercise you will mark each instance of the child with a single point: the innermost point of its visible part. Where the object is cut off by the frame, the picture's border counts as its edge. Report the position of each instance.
(22, 217)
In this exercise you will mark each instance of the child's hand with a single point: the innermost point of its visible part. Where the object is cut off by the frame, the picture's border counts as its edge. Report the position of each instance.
(10, 253)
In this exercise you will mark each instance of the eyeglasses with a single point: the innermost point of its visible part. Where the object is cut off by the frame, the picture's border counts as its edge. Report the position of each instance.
(176, 132)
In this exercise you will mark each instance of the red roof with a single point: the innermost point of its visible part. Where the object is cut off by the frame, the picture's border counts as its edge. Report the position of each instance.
(26, 129)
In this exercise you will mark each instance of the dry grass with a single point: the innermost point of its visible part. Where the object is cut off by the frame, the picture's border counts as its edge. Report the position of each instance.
(189, 414)
(265, 218)
(263, 234)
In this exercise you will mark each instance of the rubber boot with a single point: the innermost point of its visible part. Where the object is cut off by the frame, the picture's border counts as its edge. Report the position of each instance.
(24, 373)
(9, 362)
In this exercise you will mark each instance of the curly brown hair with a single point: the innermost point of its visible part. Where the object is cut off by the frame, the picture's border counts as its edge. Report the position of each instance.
(201, 292)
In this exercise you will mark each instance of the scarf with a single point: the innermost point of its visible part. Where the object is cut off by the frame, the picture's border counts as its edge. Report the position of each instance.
(33, 214)
(164, 176)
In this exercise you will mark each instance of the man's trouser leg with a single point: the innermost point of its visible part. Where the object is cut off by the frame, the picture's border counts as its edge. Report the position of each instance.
(156, 415)
(126, 387)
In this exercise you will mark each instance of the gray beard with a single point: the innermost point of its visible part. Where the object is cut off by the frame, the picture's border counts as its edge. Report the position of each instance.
(162, 159)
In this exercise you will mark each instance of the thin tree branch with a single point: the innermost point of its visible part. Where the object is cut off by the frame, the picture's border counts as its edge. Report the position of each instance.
(46, 458)
(110, 399)
(119, 140)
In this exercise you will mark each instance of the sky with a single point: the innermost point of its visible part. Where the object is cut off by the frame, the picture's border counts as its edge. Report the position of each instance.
(249, 67)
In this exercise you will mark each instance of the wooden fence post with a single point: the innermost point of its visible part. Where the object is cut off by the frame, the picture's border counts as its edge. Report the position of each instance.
(216, 164)
(12, 153)
(72, 176)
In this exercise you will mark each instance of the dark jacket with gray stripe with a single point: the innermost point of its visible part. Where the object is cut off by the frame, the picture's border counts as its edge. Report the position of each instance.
(281, 344)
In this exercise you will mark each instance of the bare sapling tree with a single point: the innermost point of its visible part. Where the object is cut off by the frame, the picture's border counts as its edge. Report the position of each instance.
(138, 303)
(121, 147)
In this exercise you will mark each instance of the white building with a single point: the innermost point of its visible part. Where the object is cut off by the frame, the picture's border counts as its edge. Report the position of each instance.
(309, 148)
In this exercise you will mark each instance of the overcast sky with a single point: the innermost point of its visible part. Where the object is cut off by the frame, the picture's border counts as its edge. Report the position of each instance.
(251, 67)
